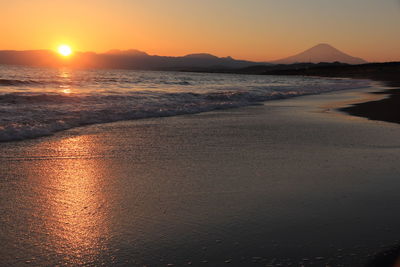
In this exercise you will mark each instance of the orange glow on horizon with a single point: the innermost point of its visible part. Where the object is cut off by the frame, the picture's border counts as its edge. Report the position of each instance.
(259, 31)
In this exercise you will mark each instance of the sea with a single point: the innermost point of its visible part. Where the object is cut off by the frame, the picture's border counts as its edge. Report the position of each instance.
(250, 187)
(36, 101)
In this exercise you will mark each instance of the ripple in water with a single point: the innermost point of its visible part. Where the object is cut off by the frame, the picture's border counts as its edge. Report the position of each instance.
(41, 101)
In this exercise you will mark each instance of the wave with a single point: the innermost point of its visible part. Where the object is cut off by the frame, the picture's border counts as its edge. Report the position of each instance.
(27, 115)
(32, 103)
(8, 82)
(15, 98)
(48, 115)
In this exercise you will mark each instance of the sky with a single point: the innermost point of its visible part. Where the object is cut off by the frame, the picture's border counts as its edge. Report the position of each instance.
(259, 30)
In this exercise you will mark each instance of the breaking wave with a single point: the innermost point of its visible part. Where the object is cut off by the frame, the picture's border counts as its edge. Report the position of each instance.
(43, 111)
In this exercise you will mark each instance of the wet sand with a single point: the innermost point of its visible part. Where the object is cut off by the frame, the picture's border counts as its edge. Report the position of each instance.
(386, 109)
(290, 182)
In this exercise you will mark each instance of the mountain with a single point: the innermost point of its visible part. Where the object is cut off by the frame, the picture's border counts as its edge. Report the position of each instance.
(135, 59)
(321, 53)
(132, 52)
(201, 55)
(124, 59)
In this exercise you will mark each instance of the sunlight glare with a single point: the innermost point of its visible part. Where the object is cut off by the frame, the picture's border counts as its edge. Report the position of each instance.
(65, 50)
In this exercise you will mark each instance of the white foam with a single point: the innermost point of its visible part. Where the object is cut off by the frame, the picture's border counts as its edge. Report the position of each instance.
(44, 111)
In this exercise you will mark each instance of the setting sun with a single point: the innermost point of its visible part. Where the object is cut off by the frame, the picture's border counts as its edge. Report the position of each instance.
(64, 50)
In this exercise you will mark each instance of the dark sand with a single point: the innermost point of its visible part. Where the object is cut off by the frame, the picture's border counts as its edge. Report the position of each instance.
(289, 183)
(387, 109)
(388, 73)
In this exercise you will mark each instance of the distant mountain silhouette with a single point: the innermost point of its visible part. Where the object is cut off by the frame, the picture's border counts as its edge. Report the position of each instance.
(135, 59)
(201, 55)
(321, 53)
(123, 59)
(132, 52)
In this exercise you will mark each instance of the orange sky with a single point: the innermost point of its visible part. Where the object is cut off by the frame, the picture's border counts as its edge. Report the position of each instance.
(246, 29)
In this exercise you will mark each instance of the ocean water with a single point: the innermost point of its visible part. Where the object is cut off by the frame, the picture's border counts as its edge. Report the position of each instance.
(41, 101)
(297, 189)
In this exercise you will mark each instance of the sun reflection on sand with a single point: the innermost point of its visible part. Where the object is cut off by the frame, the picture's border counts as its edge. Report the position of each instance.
(77, 222)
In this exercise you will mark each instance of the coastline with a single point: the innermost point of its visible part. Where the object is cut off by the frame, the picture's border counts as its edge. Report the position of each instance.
(386, 109)
(281, 183)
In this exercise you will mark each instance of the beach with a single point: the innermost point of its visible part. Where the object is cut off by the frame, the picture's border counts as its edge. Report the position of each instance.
(387, 74)
(287, 183)
(384, 109)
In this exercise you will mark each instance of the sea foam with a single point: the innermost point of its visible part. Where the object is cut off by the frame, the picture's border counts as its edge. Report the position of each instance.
(49, 101)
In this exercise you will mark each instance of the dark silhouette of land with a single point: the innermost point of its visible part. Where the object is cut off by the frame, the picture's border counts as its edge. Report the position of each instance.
(321, 53)
(386, 258)
(387, 109)
(387, 72)
(116, 59)
(135, 59)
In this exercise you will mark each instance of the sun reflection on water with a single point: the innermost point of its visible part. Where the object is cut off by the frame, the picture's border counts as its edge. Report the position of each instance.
(65, 73)
(77, 222)
(65, 79)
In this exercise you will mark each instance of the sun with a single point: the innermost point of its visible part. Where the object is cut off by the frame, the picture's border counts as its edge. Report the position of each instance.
(64, 50)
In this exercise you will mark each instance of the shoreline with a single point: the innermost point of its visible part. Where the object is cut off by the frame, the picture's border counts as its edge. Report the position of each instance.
(386, 109)
(278, 183)
(388, 73)
(30, 128)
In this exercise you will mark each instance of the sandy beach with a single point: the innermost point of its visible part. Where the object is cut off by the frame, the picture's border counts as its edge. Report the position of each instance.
(384, 108)
(199, 133)
(291, 182)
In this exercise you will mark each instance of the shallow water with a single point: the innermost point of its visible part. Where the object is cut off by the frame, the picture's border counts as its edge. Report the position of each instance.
(41, 101)
(280, 184)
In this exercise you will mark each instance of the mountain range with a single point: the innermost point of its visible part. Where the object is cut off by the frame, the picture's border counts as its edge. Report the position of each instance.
(135, 59)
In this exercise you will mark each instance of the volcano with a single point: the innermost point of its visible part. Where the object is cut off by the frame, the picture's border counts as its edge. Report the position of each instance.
(321, 53)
